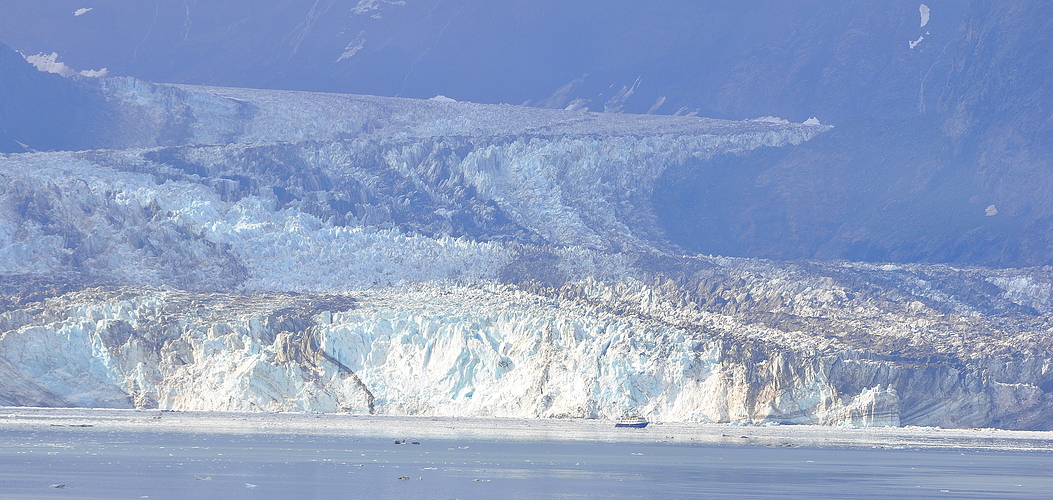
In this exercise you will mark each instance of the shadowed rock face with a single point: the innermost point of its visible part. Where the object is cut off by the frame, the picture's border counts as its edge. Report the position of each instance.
(725, 59)
(959, 173)
(936, 123)
(42, 111)
(879, 192)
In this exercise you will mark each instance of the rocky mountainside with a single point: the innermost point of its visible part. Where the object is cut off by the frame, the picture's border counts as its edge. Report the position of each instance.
(268, 250)
(941, 152)
(41, 111)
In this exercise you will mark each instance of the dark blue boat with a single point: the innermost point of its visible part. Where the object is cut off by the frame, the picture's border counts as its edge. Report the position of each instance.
(637, 422)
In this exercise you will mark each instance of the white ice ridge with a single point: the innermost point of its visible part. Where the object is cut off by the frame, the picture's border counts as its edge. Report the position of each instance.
(285, 116)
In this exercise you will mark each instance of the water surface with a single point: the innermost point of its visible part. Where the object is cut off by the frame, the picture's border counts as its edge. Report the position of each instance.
(126, 464)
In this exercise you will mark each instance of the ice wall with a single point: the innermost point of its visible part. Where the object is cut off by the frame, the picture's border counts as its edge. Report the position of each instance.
(479, 351)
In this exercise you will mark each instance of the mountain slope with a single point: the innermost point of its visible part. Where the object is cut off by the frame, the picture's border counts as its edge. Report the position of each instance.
(940, 115)
(41, 111)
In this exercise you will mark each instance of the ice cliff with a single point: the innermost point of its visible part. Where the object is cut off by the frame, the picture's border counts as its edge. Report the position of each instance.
(265, 250)
(590, 350)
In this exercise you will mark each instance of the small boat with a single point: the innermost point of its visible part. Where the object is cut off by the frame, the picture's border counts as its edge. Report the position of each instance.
(637, 422)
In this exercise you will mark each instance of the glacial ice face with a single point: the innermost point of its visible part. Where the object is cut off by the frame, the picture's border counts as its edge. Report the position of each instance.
(509, 354)
(482, 351)
(480, 260)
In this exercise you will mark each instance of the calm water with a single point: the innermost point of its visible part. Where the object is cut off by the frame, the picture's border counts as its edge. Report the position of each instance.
(95, 464)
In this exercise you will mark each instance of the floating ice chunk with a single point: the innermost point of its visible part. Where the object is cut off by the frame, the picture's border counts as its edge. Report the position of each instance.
(916, 42)
(82, 11)
(812, 121)
(924, 14)
(991, 211)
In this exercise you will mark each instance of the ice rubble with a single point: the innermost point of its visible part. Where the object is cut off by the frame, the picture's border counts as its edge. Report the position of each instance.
(575, 179)
(281, 249)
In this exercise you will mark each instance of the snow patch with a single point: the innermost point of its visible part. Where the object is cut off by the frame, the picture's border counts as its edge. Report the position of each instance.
(685, 111)
(82, 11)
(49, 63)
(614, 105)
(577, 105)
(94, 73)
(657, 104)
(776, 119)
(558, 99)
(365, 6)
(924, 14)
(353, 47)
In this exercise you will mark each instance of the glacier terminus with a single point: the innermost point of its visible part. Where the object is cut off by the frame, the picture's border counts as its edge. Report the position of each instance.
(258, 250)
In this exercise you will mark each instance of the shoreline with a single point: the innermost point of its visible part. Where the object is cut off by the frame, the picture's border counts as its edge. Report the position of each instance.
(99, 420)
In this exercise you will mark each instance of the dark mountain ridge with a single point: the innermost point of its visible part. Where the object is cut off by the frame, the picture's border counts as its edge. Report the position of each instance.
(43, 111)
(943, 110)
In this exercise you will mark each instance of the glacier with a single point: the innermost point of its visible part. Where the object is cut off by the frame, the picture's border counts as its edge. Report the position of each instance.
(594, 351)
(251, 250)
